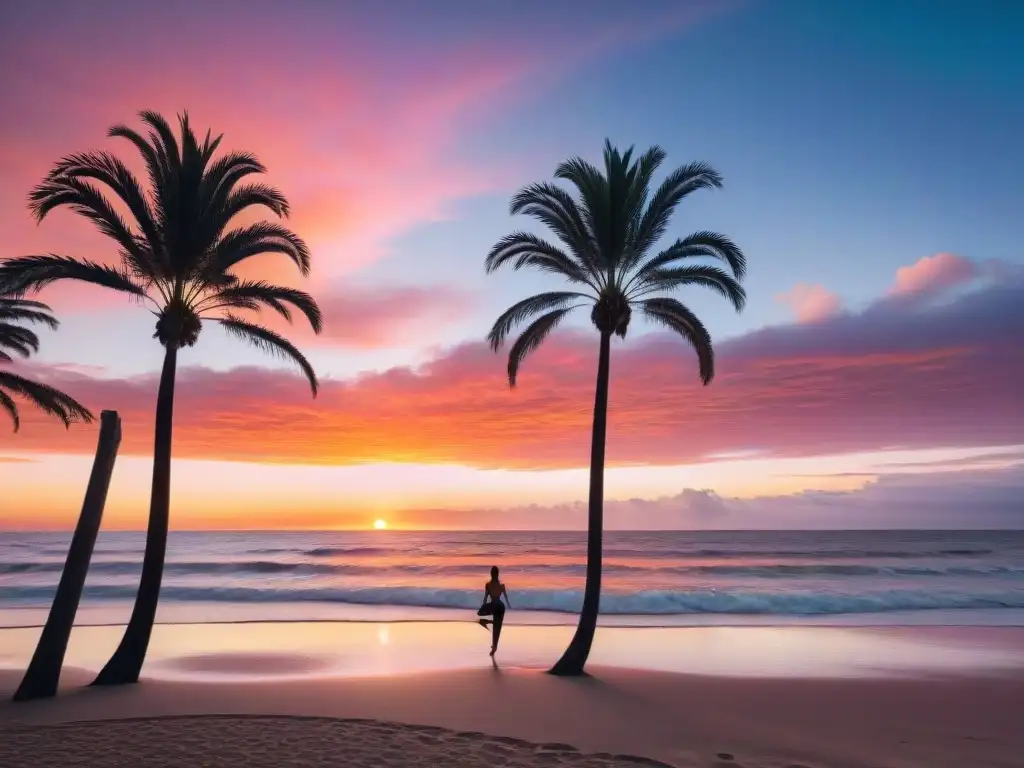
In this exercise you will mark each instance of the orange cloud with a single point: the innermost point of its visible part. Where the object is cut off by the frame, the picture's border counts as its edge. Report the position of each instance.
(810, 303)
(933, 275)
(849, 383)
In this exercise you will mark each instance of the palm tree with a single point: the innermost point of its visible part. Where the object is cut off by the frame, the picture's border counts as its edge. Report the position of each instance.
(177, 254)
(608, 231)
(23, 342)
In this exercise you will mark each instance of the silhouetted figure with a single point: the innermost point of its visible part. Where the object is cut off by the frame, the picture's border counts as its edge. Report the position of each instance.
(494, 590)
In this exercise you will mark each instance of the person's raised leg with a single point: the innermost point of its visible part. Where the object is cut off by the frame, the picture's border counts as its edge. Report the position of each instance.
(486, 609)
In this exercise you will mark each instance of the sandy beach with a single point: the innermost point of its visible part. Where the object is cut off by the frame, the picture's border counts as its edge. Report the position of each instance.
(525, 718)
(256, 707)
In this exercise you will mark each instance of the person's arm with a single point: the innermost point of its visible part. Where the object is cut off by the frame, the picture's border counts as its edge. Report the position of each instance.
(505, 593)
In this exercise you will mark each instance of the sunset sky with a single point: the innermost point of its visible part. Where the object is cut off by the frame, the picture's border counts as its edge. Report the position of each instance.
(874, 175)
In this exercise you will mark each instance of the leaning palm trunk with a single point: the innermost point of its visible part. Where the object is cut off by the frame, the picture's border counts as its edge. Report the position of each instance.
(575, 656)
(43, 672)
(126, 663)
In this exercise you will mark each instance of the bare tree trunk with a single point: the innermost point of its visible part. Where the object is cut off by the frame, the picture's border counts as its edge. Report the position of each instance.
(43, 672)
(126, 663)
(575, 656)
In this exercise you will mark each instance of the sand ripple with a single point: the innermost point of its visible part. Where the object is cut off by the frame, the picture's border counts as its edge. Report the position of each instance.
(254, 742)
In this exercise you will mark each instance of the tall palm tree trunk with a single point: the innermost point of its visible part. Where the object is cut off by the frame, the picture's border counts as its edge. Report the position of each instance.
(126, 663)
(575, 656)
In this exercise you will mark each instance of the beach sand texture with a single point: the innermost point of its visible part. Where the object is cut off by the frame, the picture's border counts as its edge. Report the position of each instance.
(511, 717)
(187, 742)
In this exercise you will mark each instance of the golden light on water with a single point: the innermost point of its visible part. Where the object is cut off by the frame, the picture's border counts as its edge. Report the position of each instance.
(380, 525)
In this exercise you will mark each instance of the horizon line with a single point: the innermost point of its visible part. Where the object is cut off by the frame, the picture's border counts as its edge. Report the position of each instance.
(527, 530)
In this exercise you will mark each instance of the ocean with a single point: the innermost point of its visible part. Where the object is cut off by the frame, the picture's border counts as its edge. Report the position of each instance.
(650, 578)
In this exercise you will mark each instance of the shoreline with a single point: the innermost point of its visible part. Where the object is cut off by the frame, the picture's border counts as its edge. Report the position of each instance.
(199, 613)
(737, 625)
(624, 624)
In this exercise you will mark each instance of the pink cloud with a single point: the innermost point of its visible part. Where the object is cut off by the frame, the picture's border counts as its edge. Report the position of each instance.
(810, 303)
(387, 316)
(851, 382)
(352, 186)
(931, 276)
(359, 124)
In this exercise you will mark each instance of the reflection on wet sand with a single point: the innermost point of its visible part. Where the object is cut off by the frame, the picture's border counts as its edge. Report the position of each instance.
(285, 650)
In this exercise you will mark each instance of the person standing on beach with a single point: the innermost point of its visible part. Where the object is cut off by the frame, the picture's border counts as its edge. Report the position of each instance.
(494, 590)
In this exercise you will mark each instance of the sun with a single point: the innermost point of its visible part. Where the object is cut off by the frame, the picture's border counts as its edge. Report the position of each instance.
(380, 525)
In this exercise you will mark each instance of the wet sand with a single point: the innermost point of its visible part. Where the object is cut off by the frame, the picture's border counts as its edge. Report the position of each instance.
(317, 649)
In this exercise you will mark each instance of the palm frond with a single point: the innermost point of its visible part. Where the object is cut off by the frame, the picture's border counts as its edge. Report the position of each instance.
(26, 311)
(154, 166)
(18, 346)
(18, 339)
(110, 171)
(249, 195)
(522, 311)
(679, 318)
(639, 191)
(17, 301)
(557, 210)
(163, 139)
(217, 183)
(530, 339)
(619, 176)
(8, 404)
(593, 191)
(227, 171)
(47, 399)
(698, 245)
(210, 146)
(245, 293)
(191, 154)
(27, 316)
(680, 183)
(30, 273)
(161, 173)
(86, 200)
(263, 237)
(270, 342)
(703, 275)
(524, 249)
